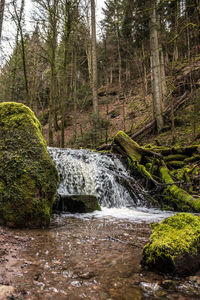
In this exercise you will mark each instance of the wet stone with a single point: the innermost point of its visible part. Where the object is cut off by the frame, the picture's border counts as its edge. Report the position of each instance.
(6, 291)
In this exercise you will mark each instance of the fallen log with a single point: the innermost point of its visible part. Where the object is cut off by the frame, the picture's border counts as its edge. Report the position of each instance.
(105, 147)
(125, 145)
(151, 125)
(151, 166)
(175, 197)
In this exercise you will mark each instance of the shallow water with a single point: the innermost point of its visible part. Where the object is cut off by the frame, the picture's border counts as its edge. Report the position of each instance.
(95, 256)
(137, 215)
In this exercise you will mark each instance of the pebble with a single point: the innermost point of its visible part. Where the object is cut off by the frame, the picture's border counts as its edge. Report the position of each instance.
(6, 291)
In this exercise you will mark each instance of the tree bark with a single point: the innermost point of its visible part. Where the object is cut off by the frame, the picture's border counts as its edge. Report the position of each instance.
(52, 44)
(163, 77)
(2, 6)
(19, 18)
(94, 73)
(157, 99)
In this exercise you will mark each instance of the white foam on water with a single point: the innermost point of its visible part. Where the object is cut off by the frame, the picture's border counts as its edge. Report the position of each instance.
(92, 173)
(137, 215)
(83, 172)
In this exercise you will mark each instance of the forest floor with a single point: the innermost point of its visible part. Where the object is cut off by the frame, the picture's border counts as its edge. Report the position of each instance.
(128, 109)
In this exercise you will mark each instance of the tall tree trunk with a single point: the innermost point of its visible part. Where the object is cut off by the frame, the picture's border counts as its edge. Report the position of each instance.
(145, 71)
(19, 19)
(2, 6)
(89, 58)
(157, 99)
(12, 94)
(111, 72)
(94, 73)
(119, 57)
(75, 93)
(64, 95)
(177, 15)
(52, 41)
(163, 77)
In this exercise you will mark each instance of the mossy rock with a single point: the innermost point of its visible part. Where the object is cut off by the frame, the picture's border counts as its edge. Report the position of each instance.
(28, 177)
(174, 246)
(77, 203)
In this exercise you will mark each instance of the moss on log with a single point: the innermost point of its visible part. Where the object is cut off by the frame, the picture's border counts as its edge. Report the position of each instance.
(151, 165)
(134, 152)
(130, 147)
(175, 197)
(186, 150)
(175, 157)
(175, 164)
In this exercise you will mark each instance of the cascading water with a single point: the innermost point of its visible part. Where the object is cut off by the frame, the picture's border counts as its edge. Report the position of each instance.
(91, 173)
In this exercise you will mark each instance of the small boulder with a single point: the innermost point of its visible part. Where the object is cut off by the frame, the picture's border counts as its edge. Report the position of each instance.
(7, 292)
(174, 246)
(77, 203)
(28, 176)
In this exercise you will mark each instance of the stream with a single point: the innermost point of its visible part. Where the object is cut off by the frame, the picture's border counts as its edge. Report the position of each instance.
(96, 257)
(93, 256)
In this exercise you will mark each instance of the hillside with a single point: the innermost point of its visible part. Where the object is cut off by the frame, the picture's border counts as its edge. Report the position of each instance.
(128, 109)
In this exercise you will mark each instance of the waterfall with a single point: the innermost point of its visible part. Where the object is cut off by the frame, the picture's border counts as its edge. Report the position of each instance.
(92, 173)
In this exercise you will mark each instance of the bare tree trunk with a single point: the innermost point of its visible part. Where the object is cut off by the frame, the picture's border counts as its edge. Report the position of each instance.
(19, 17)
(64, 96)
(119, 58)
(2, 6)
(52, 40)
(163, 77)
(177, 13)
(145, 71)
(111, 72)
(74, 91)
(33, 81)
(157, 99)
(89, 58)
(94, 73)
(12, 94)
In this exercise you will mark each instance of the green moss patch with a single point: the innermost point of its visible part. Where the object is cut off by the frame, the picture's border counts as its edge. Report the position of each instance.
(174, 245)
(28, 177)
(175, 197)
(130, 147)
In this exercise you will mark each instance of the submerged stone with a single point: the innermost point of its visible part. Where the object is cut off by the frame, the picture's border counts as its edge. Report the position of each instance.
(77, 203)
(28, 177)
(174, 246)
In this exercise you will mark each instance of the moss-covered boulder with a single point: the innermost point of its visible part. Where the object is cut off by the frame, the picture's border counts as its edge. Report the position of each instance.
(28, 177)
(77, 203)
(174, 245)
